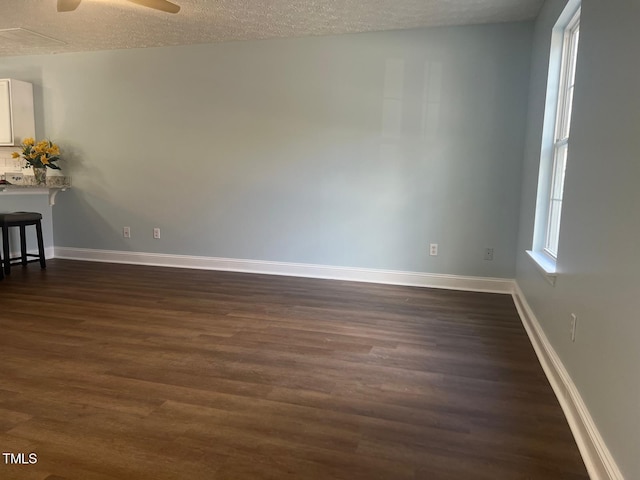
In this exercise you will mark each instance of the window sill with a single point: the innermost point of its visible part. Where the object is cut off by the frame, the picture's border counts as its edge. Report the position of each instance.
(546, 265)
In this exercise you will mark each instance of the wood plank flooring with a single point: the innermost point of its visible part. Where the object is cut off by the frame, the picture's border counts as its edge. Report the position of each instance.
(125, 372)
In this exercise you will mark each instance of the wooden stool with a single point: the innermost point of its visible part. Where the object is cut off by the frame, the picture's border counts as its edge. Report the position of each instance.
(22, 220)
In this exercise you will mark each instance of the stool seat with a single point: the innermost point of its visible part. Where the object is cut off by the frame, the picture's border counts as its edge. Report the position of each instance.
(21, 220)
(16, 218)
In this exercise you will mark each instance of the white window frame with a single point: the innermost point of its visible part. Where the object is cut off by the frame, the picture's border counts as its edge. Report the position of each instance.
(555, 139)
(561, 134)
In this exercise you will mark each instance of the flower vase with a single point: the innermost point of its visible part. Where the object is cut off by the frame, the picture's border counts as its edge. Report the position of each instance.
(41, 175)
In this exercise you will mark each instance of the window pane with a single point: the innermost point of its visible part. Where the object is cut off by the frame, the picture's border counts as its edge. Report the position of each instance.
(570, 53)
(559, 167)
(574, 55)
(566, 127)
(553, 231)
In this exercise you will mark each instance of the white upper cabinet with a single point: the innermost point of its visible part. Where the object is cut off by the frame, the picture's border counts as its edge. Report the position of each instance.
(16, 112)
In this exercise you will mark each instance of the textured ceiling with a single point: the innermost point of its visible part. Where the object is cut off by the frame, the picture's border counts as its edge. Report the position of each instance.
(116, 24)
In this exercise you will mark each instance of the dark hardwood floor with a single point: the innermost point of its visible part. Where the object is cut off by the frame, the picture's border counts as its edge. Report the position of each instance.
(124, 372)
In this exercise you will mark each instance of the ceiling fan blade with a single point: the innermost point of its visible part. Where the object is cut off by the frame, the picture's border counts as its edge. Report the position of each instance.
(68, 5)
(162, 5)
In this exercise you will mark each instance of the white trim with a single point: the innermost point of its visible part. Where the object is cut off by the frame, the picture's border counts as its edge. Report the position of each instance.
(597, 458)
(561, 134)
(545, 264)
(391, 277)
(31, 190)
(49, 252)
(548, 138)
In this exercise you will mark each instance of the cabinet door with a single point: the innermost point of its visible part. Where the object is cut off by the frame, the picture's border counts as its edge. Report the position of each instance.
(6, 134)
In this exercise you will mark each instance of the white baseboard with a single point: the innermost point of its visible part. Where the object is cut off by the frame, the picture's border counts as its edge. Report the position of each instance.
(597, 458)
(392, 277)
(49, 252)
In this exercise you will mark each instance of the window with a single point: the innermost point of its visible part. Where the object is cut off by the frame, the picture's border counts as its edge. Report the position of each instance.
(555, 137)
(561, 133)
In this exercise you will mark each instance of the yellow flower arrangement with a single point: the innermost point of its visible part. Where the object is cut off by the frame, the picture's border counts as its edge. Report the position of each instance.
(39, 155)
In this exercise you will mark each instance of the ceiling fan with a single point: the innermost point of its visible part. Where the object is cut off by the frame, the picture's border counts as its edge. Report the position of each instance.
(162, 5)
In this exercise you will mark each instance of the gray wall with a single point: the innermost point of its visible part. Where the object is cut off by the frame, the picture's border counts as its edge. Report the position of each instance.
(354, 150)
(598, 258)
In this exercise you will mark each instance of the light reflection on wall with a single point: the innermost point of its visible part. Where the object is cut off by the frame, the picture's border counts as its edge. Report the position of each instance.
(431, 99)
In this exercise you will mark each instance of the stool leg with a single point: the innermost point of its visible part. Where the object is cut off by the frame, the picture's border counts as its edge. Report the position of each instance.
(23, 245)
(1, 269)
(5, 249)
(43, 263)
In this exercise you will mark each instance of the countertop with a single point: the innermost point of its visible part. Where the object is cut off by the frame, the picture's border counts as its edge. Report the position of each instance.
(28, 186)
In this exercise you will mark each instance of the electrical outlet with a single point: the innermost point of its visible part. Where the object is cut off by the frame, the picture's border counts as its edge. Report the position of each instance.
(156, 233)
(126, 232)
(433, 249)
(14, 177)
(574, 325)
(488, 253)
